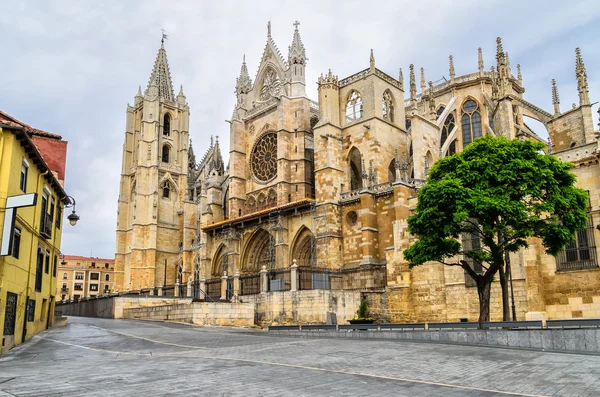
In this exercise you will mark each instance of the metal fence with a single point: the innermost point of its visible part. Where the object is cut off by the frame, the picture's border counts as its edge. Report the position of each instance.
(250, 284)
(213, 288)
(279, 280)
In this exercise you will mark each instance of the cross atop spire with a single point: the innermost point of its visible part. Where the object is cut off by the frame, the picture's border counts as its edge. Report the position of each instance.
(160, 78)
(243, 83)
(297, 52)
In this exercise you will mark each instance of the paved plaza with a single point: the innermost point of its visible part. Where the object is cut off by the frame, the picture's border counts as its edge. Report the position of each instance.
(99, 357)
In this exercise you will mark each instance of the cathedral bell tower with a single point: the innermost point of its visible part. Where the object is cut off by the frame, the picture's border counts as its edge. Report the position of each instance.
(153, 184)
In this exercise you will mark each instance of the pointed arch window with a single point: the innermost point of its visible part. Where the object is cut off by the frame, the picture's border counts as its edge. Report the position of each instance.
(471, 122)
(392, 171)
(354, 107)
(447, 129)
(451, 148)
(166, 189)
(387, 105)
(165, 153)
(167, 125)
(355, 160)
(440, 110)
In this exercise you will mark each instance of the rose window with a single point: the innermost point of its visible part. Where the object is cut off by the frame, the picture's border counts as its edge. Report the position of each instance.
(264, 158)
(271, 86)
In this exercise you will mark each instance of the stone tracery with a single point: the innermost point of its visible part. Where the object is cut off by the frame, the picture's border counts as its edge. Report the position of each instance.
(264, 158)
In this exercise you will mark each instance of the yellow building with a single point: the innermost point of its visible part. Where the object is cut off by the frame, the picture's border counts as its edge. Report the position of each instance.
(84, 277)
(28, 272)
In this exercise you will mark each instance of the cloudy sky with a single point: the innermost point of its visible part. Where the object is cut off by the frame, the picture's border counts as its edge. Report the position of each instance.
(71, 67)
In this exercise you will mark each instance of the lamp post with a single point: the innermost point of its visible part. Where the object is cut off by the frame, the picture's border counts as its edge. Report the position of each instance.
(73, 217)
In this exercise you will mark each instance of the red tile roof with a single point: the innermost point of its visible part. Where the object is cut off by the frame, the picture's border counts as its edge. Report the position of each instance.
(9, 120)
(51, 146)
(86, 259)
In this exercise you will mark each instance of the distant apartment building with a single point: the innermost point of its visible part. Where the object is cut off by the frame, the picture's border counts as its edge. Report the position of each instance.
(82, 277)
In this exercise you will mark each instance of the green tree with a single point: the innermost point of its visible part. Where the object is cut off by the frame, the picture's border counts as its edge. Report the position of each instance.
(502, 192)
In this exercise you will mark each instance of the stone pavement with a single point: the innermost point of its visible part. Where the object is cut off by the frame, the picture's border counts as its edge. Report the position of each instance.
(100, 357)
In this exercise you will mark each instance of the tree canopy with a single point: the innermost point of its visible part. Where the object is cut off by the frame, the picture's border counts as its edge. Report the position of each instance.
(501, 191)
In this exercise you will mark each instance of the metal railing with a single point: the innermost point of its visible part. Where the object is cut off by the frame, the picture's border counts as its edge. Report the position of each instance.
(250, 284)
(213, 288)
(511, 325)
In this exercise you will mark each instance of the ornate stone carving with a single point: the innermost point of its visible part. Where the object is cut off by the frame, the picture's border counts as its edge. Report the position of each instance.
(271, 86)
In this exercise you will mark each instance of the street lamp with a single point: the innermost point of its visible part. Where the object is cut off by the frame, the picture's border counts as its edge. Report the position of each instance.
(73, 217)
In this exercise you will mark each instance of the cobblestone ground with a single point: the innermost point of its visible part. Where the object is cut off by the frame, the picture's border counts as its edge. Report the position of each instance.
(98, 357)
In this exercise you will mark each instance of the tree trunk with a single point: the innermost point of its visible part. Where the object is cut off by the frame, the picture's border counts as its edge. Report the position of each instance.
(484, 289)
(505, 300)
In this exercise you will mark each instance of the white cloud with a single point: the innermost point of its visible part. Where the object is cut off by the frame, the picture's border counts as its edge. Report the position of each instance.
(71, 66)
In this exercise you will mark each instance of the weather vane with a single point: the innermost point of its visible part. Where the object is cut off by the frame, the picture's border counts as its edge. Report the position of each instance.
(164, 36)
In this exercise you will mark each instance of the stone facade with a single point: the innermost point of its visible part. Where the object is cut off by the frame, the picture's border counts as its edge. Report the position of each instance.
(328, 187)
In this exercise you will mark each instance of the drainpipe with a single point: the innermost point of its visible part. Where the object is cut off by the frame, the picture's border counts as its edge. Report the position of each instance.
(35, 226)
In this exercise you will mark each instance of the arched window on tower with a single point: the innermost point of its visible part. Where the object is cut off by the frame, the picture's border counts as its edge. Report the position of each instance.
(166, 189)
(392, 171)
(354, 107)
(355, 165)
(387, 105)
(167, 125)
(165, 154)
(447, 129)
(471, 122)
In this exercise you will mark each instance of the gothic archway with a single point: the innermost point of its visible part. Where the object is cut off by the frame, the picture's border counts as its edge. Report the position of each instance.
(219, 264)
(259, 252)
(304, 250)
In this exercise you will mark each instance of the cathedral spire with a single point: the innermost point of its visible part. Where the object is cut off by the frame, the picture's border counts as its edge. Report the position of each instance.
(480, 61)
(519, 75)
(432, 113)
(423, 85)
(160, 78)
(555, 98)
(451, 68)
(297, 52)
(401, 79)
(503, 86)
(372, 61)
(582, 83)
(243, 83)
(413, 87)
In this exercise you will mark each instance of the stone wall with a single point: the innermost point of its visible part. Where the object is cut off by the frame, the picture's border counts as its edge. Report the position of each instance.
(198, 313)
(303, 307)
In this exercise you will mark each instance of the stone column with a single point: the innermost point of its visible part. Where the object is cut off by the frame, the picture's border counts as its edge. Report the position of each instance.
(160, 290)
(202, 292)
(263, 280)
(236, 284)
(189, 288)
(176, 289)
(151, 292)
(294, 276)
(224, 286)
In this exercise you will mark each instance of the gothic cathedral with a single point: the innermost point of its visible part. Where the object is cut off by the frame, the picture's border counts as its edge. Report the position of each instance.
(308, 216)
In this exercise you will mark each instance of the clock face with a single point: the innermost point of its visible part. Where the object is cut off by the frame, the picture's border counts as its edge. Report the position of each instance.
(264, 158)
